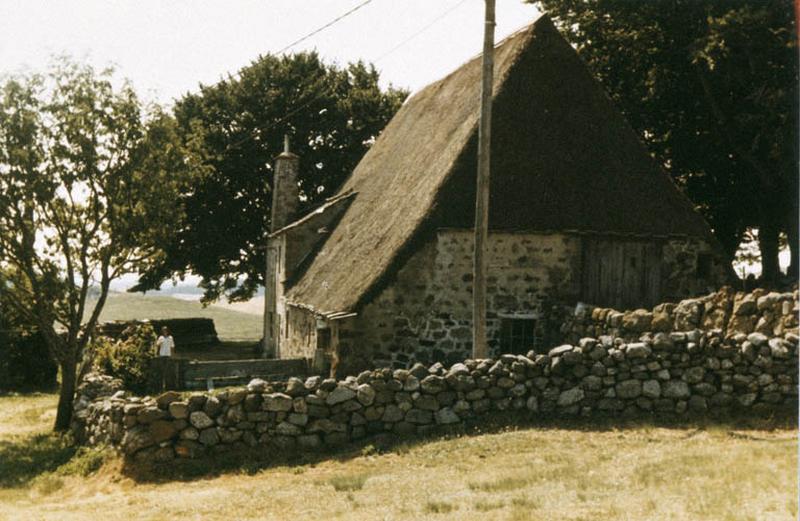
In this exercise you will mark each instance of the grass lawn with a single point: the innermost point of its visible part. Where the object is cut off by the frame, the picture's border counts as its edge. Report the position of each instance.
(231, 325)
(741, 471)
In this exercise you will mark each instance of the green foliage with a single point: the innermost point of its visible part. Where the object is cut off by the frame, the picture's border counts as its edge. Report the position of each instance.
(89, 177)
(129, 357)
(85, 462)
(26, 363)
(712, 87)
(333, 115)
(25, 360)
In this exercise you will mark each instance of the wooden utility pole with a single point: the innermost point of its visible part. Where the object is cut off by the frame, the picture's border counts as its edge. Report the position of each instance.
(479, 347)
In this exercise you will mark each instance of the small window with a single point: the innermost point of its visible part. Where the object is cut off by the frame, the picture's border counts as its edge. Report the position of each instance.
(324, 338)
(517, 335)
(703, 266)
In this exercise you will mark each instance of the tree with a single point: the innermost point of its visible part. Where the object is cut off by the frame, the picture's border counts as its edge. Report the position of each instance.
(712, 88)
(25, 360)
(332, 114)
(88, 180)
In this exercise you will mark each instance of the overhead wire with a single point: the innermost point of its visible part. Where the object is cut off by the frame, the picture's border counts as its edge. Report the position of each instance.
(420, 31)
(305, 105)
(317, 31)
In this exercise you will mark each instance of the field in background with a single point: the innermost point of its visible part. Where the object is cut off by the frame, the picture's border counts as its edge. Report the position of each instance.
(230, 324)
(697, 472)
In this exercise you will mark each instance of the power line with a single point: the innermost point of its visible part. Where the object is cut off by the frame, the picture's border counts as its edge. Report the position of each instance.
(317, 31)
(309, 35)
(420, 31)
(267, 128)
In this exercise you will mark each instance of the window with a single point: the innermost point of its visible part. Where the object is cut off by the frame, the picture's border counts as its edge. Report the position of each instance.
(517, 335)
(324, 338)
(703, 268)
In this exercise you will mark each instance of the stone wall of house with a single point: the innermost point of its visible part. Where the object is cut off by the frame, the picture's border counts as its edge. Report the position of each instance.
(300, 339)
(425, 313)
(677, 370)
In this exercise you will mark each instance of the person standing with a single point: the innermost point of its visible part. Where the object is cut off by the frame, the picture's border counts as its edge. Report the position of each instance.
(166, 347)
(165, 343)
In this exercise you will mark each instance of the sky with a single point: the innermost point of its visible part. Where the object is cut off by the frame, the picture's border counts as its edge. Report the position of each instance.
(168, 47)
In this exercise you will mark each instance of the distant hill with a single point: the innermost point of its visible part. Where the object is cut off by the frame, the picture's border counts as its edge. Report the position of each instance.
(187, 289)
(182, 289)
(230, 325)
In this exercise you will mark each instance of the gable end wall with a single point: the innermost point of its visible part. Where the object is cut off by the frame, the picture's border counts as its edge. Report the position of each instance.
(425, 313)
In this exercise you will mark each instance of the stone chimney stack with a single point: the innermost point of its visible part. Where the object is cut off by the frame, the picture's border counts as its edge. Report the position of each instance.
(285, 194)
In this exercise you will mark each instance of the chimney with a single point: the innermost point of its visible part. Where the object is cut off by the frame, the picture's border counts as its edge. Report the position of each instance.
(285, 196)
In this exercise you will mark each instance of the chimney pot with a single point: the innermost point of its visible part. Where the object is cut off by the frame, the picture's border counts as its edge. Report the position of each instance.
(285, 193)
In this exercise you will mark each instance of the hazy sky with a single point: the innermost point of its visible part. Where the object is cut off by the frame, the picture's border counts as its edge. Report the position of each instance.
(167, 47)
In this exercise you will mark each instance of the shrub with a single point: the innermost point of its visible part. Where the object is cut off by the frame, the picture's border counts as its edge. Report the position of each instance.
(129, 357)
(25, 362)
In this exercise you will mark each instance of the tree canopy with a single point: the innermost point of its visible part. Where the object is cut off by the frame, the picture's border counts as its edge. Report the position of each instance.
(88, 179)
(332, 114)
(712, 88)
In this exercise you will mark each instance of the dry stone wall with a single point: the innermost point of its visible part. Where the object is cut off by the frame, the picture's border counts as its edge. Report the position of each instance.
(704, 371)
(730, 314)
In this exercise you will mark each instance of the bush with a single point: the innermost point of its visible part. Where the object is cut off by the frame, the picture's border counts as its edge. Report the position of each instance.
(25, 362)
(129, 357)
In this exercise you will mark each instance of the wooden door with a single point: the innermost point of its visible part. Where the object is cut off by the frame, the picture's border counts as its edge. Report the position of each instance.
(622, 274)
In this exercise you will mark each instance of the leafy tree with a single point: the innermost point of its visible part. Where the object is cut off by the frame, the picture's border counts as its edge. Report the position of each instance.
(712, 88)
(333, 115)
(88, 180)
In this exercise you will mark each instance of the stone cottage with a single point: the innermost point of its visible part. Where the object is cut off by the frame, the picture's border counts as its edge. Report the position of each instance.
(381, 274)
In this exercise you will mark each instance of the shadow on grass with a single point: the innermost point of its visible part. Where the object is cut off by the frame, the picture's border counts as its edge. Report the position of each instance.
(23, 458)
(254, 460)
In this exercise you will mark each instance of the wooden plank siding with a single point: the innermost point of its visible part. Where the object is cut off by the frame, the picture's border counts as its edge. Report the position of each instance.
(623, 274)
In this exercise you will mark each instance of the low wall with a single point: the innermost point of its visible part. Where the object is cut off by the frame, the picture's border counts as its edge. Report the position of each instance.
(704, 372)
(727, 312)
(187, 332)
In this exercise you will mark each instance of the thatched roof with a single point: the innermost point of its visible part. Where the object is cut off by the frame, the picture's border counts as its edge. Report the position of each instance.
(563, 159)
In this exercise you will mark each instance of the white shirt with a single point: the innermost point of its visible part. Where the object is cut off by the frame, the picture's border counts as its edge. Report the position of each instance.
(165, 345)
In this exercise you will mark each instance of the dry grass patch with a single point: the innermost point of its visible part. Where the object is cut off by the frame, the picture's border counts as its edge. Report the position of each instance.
(439, 507)
(699, 472)
(348, 483)
(24, 414)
